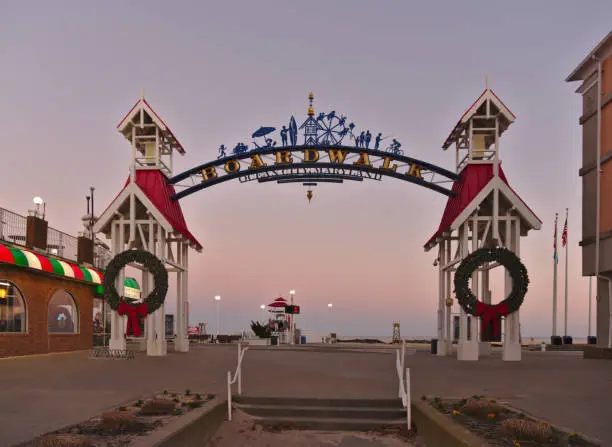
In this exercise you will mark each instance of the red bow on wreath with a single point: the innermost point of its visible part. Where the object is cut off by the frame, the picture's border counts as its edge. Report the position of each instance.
(489, 314)
(133, 324)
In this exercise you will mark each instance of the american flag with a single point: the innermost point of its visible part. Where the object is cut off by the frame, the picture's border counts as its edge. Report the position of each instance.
(564, 234)
(555, 243)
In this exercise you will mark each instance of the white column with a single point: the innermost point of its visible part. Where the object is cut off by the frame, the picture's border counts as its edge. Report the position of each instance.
(185, 294)
(160, 317)
(117, 340)
(485, 347)
(150, 321)
(144, 291)
(447, 293)
(441, 263)
(511, 351)
(469, 351)
(462, 233)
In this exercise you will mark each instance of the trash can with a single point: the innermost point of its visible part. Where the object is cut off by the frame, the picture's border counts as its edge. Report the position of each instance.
(567, 340)
(303, 340)
(274, 340)
(591, 340)
(434, 345)
(556, 340)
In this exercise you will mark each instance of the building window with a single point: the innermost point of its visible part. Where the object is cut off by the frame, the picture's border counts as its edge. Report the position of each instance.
(63, 313)
(12, 308)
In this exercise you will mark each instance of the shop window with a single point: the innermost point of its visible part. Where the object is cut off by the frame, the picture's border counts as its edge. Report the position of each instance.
(63, 313)
(12, 308)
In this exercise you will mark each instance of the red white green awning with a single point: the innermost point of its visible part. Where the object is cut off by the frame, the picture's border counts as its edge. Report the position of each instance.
(25, 258)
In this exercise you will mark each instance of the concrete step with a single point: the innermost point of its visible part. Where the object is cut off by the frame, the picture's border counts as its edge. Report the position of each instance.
(332, 424)
(314, 402)
(323, 412)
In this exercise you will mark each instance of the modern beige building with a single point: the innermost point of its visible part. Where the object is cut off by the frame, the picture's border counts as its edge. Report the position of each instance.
(595, 73)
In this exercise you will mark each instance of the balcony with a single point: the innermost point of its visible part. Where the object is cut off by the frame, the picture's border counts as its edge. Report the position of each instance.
(59, 244)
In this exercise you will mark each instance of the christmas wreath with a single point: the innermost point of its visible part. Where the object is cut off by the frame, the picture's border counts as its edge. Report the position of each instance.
(151, 303)
(490, 313)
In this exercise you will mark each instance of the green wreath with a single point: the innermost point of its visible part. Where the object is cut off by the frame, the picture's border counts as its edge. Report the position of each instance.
(150, 262)
(469, 302)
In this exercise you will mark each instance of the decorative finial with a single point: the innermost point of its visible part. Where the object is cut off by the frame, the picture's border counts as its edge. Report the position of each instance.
(487, 82)
(142, 93)
(311, 111)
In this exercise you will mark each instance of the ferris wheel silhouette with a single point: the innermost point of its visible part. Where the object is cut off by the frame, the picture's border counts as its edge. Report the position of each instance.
(333, 128)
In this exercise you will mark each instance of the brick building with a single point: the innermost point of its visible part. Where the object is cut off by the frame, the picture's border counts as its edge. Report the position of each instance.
(595, 73)
(50, 288)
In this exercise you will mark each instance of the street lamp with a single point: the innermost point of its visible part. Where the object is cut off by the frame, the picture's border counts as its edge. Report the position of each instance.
(217, 301)
(292, 317)
(263, 312)
(329, 306)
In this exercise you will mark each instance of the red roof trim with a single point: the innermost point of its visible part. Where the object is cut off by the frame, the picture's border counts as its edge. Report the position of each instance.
(470, 108)
(180, 147)
(155, 186)
(472, 180)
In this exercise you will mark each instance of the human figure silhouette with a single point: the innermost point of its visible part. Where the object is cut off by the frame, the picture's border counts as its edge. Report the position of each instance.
(221, 152)
(283, 134)
(395, 146)
(362, 139)
(377, 141)
(368, 138)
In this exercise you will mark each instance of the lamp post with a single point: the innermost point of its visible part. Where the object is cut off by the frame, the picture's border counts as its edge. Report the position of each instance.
(263, 312)
(292, 325)
(329, 306)
(217, 301)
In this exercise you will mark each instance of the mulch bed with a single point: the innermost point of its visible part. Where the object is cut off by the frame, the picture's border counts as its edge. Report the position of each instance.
(492, 421)
(120, 426)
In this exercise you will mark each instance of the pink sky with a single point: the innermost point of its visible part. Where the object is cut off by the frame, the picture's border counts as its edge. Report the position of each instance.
(216, 73)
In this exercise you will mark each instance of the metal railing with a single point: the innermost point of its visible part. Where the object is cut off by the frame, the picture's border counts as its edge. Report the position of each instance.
(404, 385)
(237, 376)
(13, 228)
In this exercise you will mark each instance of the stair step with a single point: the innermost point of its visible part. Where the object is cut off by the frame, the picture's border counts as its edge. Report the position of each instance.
(313, 423)
(323, 411)
(314, 402)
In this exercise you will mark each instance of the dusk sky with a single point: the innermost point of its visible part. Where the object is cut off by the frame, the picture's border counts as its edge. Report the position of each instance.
(215, 72)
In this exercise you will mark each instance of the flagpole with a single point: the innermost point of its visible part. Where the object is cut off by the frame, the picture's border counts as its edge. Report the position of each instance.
(554, 322)
(565, 231)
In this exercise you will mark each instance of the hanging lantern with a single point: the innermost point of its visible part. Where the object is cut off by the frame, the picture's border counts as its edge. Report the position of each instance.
(309, 195)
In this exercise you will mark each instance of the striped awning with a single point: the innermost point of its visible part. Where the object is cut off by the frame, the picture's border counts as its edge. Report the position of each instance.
(25, 258)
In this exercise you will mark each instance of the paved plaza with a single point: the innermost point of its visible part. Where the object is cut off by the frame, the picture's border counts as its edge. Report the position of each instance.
(40, 394)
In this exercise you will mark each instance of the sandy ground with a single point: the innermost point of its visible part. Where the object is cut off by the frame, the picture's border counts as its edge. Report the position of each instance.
(243, 432)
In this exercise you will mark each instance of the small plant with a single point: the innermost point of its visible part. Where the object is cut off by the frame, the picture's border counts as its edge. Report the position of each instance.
(515, 443)
(491, 416)
(187, 392)
(476, 397)
(139, 403)
(198, 397)
(423, 397)
(165, 391)
(574, 439)
(177, 411)
(195, 404)
(210, 396)
(175, 400)
(122, 408)
(455, 412)
(183, 404)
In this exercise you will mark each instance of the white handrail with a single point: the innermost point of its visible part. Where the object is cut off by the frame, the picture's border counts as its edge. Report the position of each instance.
(237, 376)
(404, 387)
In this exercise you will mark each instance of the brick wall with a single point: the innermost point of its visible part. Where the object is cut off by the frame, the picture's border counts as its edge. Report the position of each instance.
(37, 288)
